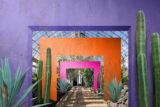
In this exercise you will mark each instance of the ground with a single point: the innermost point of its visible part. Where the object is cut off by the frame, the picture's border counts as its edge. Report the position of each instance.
(81, 97)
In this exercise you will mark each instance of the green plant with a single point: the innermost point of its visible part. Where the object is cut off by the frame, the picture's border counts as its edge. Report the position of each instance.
(47, 77)
(34, 77)
(101, 78)
(98, 85)
(88, 77)
(140, 33)
(63, 86)
(40, 66)
(122, 72)
(8, 89)
(125, 80)
(155, 42)
(114, 91)
(143, 94)
(98, 80)
(143, 91)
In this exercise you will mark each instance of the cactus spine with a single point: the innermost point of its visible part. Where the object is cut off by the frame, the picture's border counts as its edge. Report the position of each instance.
(40, 66)
(155, 42)
(143, 91)
(48, 76)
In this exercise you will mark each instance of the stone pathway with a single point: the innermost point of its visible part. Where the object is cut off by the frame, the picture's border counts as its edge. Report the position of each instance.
(81, 97)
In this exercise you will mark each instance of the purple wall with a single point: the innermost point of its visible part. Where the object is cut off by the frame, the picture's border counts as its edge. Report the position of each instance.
(17, 15)
(95, 65)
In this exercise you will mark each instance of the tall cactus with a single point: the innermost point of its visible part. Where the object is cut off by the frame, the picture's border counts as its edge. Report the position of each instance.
(101, 78)
(143, 91)
(40, 66)
(155, 42)
(140, 34)
(47, 77)
(98, 81)
(143, 94)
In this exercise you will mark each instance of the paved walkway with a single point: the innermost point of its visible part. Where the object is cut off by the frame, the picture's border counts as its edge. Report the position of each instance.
(81, 97)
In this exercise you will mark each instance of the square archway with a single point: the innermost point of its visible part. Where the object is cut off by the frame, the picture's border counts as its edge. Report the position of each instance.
(110, 48)
(95, 65)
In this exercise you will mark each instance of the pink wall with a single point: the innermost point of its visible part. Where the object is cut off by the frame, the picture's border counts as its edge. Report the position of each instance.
(95, 65)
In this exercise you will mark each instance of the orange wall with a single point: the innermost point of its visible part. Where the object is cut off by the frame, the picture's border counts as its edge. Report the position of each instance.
(109, 48)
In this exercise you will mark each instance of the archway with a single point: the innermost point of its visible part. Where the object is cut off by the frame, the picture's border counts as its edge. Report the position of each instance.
(95, 65)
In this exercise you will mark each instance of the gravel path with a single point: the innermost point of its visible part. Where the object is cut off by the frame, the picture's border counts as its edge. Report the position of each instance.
(81, 97)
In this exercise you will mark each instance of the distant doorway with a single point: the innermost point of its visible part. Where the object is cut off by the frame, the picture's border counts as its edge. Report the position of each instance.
(80, 77)
(95, 65)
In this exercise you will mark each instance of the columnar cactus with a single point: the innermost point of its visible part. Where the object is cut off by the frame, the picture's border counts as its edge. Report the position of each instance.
(47, 77)
(98, 81)
(140, 34)
(143, 94)
(101, 79)
(143, 91)
(155, 42)
(40, 66)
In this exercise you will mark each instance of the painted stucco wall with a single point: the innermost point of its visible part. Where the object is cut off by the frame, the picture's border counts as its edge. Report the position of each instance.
(95, 65)
(17, 15)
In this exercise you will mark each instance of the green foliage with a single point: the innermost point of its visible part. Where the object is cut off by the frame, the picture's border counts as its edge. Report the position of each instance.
(114, 90)
(63, 86)
(40, 66)
(47, 76)
(88, 75)
(125, 80)
(155, 42)
(34, 79)
(143, 91)
(8, 89)
(58, 76)
(122, 74)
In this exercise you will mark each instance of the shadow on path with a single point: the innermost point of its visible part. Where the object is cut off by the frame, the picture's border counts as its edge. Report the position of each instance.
(81, 97)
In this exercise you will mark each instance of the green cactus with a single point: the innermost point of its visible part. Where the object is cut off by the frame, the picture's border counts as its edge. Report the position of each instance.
(40, 66)
(47, 77)
(155, 42)
(98, 85)
(140, 34)
(101, 78)
(143, 91)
